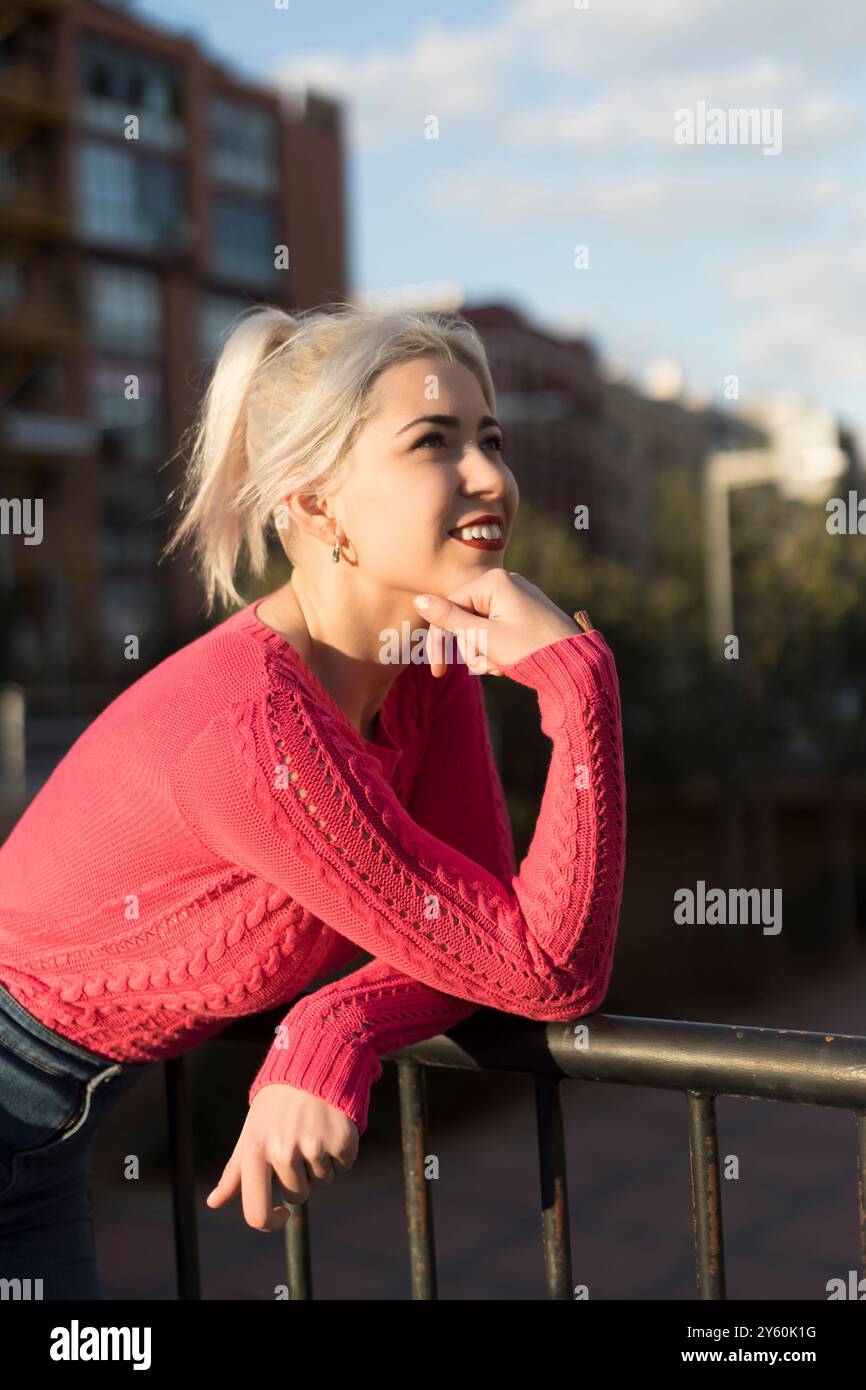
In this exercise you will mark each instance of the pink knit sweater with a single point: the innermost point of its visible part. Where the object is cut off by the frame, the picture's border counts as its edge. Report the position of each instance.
(221, 835)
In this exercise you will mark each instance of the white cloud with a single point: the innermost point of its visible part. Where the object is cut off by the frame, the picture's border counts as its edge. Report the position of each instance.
(635, 63)
(617, 36)
(639, 115)
(450, 73)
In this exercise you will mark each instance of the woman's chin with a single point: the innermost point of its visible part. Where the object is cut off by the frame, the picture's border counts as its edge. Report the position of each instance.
(460, 569)
(481, 559)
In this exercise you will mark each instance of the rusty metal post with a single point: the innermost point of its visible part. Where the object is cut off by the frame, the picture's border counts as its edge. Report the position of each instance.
(419, 1205)
(555, 1228)
(706, 1195)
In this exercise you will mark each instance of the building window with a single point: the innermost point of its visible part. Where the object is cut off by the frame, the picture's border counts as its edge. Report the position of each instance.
(218, 312)
(244, 237)
(120, 82)
(243, 148)
(125, 309)
(130, 430)
(127, 199)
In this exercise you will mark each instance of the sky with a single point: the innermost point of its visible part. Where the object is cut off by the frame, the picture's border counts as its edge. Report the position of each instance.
(556, 128)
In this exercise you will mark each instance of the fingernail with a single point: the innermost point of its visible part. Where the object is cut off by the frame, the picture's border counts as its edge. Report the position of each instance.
(422, 601)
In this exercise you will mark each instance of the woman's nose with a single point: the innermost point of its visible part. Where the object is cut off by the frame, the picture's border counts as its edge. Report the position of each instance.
(480, 462)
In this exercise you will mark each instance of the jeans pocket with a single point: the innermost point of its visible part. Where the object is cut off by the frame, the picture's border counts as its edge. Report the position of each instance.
(40, 1104)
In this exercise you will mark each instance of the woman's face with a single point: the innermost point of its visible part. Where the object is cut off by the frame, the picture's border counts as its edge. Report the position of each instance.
(413, 479)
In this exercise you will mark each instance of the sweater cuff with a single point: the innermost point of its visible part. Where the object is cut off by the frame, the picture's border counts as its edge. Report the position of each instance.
(582, 661)
(316, 1059)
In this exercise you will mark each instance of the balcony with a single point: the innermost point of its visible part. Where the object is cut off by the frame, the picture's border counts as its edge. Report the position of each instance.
(28, 213)
(30, 93)
(39, 330)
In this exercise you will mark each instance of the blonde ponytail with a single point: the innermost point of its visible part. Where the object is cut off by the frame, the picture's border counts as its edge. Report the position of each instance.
(219, 458)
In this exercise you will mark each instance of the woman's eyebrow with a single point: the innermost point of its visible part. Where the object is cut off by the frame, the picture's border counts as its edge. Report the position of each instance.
(449, 421)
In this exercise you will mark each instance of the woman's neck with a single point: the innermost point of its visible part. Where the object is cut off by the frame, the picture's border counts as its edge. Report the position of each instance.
(355, 679)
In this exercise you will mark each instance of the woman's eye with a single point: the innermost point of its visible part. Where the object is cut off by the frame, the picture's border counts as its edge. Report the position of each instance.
(494, 439)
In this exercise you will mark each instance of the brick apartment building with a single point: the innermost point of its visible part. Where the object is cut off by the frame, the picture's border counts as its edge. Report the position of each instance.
(126, 247)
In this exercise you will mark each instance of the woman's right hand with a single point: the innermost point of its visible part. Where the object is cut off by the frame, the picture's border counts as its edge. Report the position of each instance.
(293, 1137)
(498, 618)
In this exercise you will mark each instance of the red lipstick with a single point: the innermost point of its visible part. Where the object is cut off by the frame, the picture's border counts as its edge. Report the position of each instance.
(481, 543)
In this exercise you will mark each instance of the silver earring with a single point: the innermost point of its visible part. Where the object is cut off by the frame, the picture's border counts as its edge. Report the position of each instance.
(335, 553)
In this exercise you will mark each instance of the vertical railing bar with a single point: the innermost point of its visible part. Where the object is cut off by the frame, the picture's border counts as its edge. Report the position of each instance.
(555, 1229)
(419, 1203)
(299, 1262)
(706, 1195)
(182, 1180)
(860, 1130)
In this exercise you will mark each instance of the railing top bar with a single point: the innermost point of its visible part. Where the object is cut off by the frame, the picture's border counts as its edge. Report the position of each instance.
(718, 1058)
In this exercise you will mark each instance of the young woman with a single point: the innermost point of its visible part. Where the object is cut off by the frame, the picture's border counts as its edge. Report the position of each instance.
(311, 779)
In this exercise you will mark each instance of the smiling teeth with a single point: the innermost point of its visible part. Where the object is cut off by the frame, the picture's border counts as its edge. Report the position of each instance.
(490, 531)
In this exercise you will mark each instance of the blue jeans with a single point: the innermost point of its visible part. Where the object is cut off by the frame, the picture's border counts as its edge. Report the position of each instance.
(53, 1096)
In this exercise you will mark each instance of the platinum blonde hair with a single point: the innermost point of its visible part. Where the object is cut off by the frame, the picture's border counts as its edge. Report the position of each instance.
(284, 405)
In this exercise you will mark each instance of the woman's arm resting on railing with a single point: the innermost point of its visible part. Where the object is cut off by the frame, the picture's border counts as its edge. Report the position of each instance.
(331, 1042)
(276, 785)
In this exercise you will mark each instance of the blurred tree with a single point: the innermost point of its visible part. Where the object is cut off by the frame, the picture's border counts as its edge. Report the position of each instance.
(799, 614)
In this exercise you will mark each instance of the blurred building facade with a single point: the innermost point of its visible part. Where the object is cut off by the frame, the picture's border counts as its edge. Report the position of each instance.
(144, 193)
(585, 438)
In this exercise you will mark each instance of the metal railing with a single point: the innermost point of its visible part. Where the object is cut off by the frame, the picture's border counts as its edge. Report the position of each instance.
(702, 1060)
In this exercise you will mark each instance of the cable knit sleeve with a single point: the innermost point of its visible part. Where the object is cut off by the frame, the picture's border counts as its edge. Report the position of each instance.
(330, 1042)
(279, 786)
